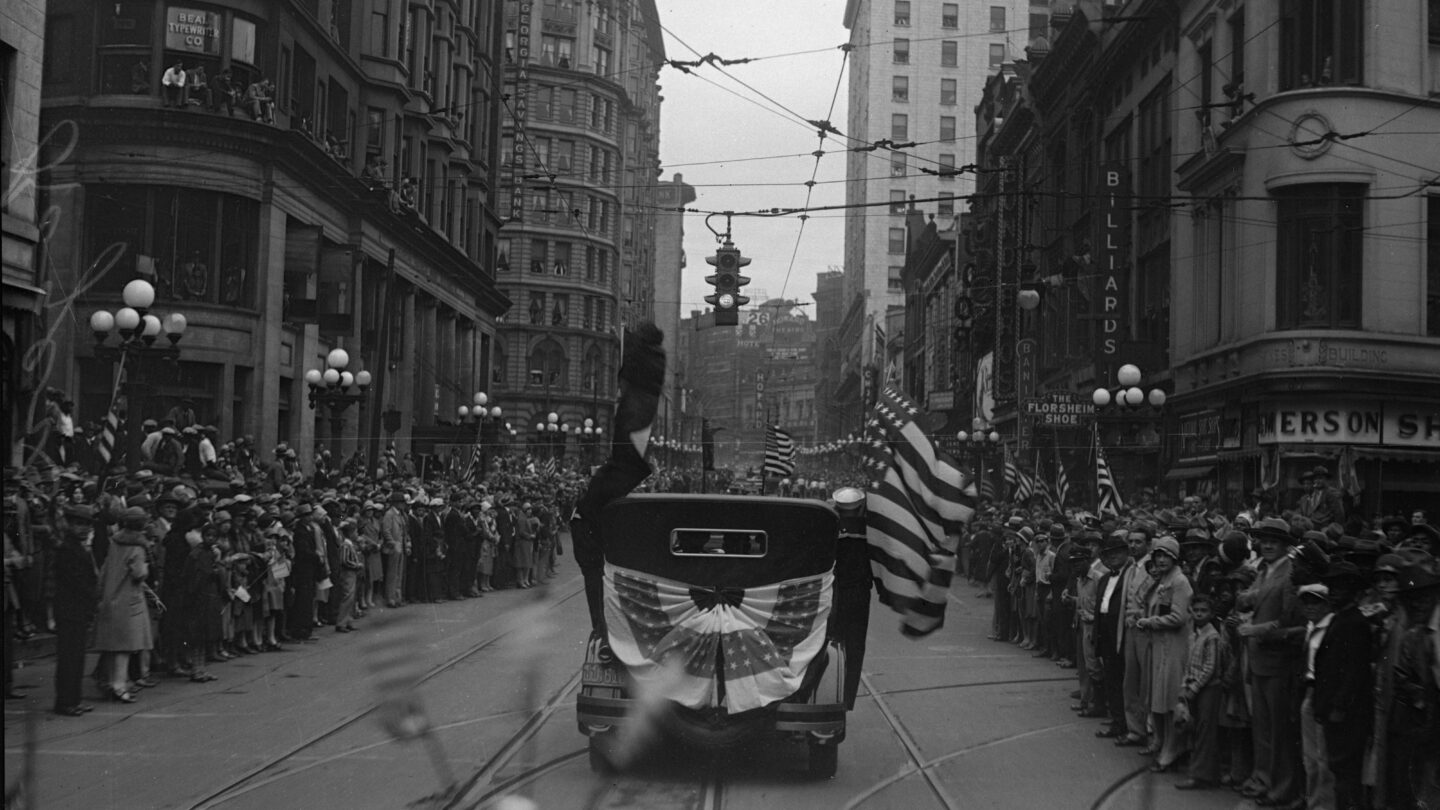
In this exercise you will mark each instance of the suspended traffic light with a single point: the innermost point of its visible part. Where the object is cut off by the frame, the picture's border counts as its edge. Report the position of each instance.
(727, 281)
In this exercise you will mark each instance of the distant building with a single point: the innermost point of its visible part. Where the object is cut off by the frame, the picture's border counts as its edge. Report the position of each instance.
(22, 46)
(670, 265)
(580, 161)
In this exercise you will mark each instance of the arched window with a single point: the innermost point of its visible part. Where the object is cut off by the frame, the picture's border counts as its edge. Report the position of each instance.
(549, 367)
(592, 372)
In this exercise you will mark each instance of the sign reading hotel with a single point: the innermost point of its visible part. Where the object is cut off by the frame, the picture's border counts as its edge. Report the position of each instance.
(1386, 423)
(1060, 409)
(193, 30)
(1113, 298)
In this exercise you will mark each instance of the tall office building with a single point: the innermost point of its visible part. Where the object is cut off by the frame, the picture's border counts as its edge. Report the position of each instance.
(916, 73)
(580, 165)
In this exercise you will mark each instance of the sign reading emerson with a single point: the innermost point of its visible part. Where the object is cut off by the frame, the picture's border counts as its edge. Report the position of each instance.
(1386, 423)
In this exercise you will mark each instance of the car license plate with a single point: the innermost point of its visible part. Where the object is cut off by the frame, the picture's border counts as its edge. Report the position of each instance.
(601, 675)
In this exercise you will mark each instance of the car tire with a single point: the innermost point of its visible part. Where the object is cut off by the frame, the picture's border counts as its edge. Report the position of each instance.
(824, 759)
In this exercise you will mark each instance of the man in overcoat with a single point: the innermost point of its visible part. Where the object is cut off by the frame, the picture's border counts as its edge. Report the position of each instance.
(76, 591)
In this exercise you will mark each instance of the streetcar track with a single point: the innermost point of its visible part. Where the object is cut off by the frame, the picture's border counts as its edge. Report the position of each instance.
(912, 690)
(906, 740)
(243, 784)
(1116, 786)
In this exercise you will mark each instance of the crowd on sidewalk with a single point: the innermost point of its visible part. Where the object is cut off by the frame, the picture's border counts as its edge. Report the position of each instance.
(172, 567)
(1291, 655)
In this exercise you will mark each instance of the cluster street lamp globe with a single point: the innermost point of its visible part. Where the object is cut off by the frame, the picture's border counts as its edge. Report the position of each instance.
(138, 330)
(483, 421)
(1129, 393)
(336, 388)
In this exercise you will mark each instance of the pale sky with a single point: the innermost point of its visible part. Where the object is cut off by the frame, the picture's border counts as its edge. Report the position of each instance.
(701, 123)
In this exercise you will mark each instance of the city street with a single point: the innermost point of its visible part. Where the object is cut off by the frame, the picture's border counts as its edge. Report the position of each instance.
(950, 721)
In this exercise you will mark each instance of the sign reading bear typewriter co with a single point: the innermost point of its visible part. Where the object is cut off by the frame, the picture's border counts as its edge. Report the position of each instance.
(1060, 409)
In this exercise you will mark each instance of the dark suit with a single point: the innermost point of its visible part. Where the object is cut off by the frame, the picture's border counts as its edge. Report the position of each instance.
(1109, 643)
(1274, 656)
(460, 551)
(1343, 688)
(76, 593)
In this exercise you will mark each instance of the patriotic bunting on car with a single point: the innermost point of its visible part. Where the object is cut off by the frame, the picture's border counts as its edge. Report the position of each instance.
(758, 640)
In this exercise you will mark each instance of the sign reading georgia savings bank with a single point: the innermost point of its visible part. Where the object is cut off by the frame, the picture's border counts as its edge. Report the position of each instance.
(1386, 423)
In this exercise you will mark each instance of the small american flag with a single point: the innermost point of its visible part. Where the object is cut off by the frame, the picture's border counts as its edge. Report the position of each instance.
(110, 431)
(917, 505)
(1062, 481)
(779, 452)
(1110, 500)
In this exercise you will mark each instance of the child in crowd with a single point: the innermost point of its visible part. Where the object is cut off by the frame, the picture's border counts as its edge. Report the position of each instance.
(1203, 695)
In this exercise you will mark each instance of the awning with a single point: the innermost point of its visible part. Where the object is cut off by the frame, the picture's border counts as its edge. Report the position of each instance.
(1186, 473)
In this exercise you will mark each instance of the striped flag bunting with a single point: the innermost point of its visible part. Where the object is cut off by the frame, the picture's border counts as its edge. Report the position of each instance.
(1110, 500)
(743, 648)
(1062, 482)
(987, 488)
(917, 504)
(779, 452)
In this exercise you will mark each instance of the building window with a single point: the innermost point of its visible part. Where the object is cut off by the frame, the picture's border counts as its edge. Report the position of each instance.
(949, 53)
(947, 204)
(947, 167)
(1432, 265)
(192, 245)
(902, 13)
(947, 92)
(1038, 25)
(895, 281)
(897, 241)
(902, 51)
(947, 127)
(900, 88)
(899, 127)
(997, 19)
(539, 250)
(380, 27)
(1319, 262)
(1320, 43)
(997, 55)
(897, 202)
(898, 167)
(602, 62)
(949, 15)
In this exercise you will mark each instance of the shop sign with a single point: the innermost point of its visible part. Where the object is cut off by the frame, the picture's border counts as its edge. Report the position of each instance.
(1200, 434)
(1112, 301)
(1390, 423)
(1060, 409)
(193, 30)
(1412, 426)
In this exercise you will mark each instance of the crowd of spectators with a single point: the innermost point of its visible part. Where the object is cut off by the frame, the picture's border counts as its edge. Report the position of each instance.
(202, 552)
(1288, 654)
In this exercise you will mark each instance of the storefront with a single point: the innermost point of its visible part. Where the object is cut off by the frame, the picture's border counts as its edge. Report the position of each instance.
(1383, 453)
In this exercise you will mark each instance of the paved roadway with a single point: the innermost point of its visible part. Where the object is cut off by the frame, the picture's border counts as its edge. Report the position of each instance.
(951, 721)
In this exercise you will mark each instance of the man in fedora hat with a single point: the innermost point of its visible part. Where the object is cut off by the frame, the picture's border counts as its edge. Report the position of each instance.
(77, 592)
(1324, 503)
(394, 543)
(1271, 635)
(1340, 682)
(1110, 633)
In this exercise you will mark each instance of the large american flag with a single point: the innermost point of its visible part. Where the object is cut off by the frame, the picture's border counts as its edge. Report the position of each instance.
(916, 507)
(1110, 500)
(779, 452)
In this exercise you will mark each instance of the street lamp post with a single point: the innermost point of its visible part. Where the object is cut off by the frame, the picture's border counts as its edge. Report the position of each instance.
(979, 443)
(138, 330)
(482, 420)
(590, 435)
(336, 389)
